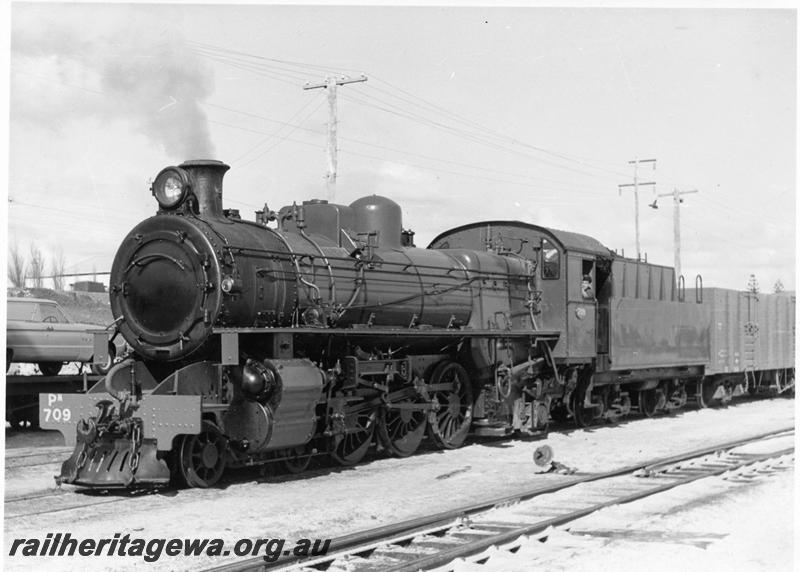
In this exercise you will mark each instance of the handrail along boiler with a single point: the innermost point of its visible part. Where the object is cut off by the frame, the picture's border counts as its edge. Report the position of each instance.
(256, 342)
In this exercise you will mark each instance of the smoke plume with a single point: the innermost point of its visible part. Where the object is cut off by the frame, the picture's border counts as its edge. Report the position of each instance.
(138, 72)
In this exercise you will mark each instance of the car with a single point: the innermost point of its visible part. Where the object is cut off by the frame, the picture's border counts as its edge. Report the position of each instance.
(38, 331)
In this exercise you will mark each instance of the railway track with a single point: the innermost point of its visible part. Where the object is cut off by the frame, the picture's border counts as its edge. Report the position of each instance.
(51, 500)
(26, 506)
(435, 541)
(53, 455)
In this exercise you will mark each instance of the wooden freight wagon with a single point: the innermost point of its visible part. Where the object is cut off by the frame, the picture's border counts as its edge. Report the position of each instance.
(752, 338)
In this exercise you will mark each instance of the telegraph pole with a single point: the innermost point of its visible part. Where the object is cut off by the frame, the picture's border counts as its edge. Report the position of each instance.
(676, 223)
(635, 186)
(331, 83)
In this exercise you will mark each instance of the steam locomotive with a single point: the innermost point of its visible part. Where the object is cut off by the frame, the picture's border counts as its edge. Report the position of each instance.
(322, 329)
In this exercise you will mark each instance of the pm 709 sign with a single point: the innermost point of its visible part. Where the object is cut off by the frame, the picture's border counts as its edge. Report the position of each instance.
(61, 411)
(55, 410)
(163, 416)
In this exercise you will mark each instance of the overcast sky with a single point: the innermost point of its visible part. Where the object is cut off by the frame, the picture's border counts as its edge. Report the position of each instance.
(468, 113)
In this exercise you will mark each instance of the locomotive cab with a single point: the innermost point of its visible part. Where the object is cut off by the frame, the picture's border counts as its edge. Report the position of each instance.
(563, 260)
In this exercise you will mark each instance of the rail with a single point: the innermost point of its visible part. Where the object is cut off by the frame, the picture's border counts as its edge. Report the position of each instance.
(470, 530)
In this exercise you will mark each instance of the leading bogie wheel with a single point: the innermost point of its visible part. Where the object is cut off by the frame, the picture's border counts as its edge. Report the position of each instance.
(202, 457)
(400, 429)
(451, 417)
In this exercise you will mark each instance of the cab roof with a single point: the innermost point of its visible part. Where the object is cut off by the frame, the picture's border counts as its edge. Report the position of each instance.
(570, 241)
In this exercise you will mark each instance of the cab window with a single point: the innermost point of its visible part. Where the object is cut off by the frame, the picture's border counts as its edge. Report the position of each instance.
(550, 260)
(587, 280)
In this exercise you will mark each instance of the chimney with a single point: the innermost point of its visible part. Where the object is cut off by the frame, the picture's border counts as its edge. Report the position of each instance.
(205, 178)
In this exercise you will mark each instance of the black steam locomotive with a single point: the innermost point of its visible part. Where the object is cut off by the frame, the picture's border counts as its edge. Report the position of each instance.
(257, 342)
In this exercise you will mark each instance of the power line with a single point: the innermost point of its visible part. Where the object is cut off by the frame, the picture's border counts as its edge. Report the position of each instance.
(307, 66)
(571, 188)
(497, 134)
(282, 138)
(569, 184)
(471, 137)
(290, 79)
(253, 66)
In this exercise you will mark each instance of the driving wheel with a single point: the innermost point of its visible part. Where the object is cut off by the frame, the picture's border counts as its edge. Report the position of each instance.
(451, 393)
(401, 428)
(354, 444)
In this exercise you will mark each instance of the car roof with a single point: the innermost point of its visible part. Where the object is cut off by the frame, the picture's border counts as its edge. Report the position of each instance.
(37, 300)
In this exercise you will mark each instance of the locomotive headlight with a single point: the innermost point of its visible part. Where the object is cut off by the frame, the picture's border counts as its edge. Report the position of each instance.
(170, 187)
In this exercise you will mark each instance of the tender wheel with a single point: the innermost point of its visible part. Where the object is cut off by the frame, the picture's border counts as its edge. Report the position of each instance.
(202, 457)
(401, 430)
(450, 419)
(582, 416)
(102, 369)
(355, 443)
(705, 393)
(50, 367)
(648, 402)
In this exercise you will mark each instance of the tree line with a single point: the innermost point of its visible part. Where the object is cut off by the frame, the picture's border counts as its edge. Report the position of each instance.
(33, 267)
